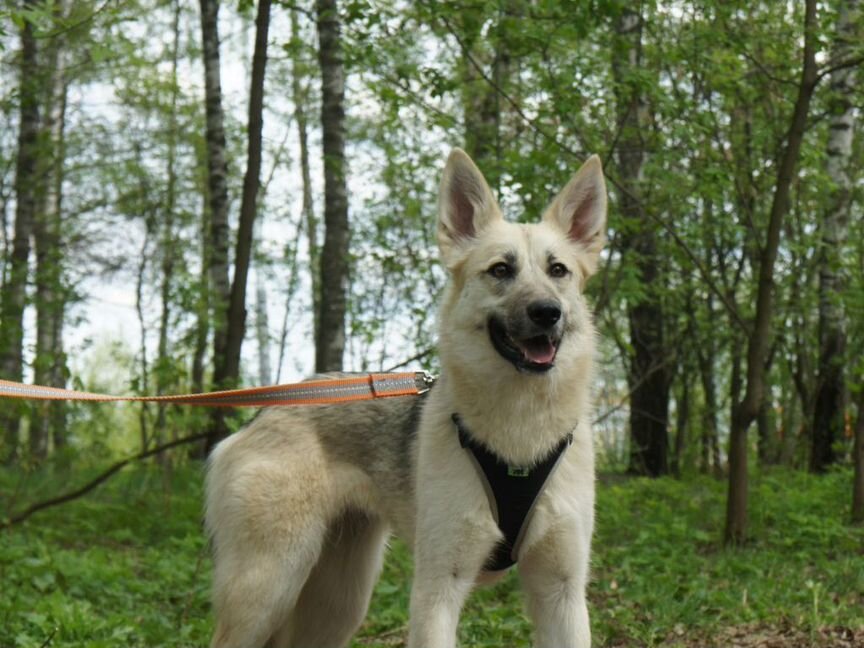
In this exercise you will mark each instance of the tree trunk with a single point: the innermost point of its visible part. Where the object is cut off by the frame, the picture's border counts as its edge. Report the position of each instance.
(202, 315)
(47, 421)
(802, 371)
(5, 195)
(300, 97)
(249, 200)
(149, 217)
(217, 176)
(705, 356)
(168, 249)
(830, 400)
(226, 372)
(858, 461)
(766, 447)
(682, 422)
(217, 196)
(649, 373)
(330, 342)
(291, 260)
(13, 296)
(481, 100)
(759, 338)
(262, 328)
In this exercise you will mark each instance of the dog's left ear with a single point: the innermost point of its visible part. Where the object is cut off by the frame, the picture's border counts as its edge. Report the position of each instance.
(580, 209)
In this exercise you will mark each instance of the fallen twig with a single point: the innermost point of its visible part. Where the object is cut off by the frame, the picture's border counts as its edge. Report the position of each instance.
(93, 483)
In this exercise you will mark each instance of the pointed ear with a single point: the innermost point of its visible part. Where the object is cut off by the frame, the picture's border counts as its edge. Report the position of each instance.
(465, 204)
(580, 209)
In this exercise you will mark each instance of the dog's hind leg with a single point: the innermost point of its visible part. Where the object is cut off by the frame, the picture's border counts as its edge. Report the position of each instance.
(254, 589)
(335, 598)
(251, 598)
(268, 514)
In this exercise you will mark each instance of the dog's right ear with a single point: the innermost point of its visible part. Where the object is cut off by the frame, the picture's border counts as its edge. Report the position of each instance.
(465, 205)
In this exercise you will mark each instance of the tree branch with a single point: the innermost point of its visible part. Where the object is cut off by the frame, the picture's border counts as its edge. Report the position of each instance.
(93, 483)
(414, 358)
(830, 67)
(626, 398)
(733, 311)
(513, 104)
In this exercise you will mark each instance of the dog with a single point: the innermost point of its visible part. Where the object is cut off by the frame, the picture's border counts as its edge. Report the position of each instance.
(301, 502)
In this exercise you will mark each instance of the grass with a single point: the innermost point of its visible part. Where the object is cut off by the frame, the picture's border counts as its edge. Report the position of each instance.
(128, 565)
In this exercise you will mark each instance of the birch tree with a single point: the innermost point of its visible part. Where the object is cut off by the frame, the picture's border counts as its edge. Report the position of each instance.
(330, 339)
(47, 421)
(300, 97)
(262, 320)
(226, 368)
(217, 197)
(217, 181)
(168, 245)
(13, 295)
(858, 464)
(828, 421)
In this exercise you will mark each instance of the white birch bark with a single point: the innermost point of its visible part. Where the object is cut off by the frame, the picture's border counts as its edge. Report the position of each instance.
(831, 393)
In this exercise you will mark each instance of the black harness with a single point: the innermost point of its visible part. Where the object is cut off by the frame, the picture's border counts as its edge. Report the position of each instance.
(512, 492)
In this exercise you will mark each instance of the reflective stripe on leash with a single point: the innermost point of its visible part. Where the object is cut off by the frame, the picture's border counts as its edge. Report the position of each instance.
(313, 392)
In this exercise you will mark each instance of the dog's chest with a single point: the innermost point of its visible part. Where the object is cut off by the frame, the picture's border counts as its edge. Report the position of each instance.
(512, 490)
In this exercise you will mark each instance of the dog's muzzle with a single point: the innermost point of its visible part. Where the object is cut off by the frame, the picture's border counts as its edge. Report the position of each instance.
(531, 347)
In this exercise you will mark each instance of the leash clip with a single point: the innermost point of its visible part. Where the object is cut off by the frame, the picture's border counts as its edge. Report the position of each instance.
(425, 380)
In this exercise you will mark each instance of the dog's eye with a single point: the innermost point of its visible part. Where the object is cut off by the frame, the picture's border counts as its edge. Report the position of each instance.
(558, 270)
(501, 270)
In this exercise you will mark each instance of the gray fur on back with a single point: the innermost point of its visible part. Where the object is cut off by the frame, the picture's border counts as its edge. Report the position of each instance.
(377, 436)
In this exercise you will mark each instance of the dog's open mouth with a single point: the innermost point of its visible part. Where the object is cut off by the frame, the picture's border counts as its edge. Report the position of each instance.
(530, 354)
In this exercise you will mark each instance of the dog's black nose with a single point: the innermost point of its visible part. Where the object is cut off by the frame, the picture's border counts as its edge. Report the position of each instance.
(544, 313)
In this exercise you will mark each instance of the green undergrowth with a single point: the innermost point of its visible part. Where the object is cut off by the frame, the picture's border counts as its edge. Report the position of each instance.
(128, 565)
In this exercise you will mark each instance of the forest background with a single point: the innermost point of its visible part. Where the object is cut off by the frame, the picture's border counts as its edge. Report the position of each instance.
(196, 197)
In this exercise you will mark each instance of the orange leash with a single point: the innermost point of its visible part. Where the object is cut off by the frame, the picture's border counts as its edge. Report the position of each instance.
(313, 392)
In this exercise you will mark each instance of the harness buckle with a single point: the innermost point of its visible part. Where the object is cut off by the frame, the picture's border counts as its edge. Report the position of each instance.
(425, 380)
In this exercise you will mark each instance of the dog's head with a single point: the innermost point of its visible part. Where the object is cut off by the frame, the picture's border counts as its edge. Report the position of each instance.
(515, 295)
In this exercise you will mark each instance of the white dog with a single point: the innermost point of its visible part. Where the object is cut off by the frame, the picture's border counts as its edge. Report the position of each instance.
(494, 465)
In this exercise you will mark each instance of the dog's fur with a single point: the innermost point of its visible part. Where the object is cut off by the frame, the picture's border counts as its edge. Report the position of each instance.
(300, 503)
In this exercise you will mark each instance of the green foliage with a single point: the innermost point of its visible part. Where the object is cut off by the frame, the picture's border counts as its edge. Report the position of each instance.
(718, 78)
(129, 564)
(719, 81)
(658, 563)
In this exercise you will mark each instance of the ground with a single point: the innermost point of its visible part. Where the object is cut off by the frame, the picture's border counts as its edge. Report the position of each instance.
(129, 565)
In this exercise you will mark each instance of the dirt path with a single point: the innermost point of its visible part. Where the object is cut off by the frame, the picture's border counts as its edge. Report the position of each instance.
(770, 636)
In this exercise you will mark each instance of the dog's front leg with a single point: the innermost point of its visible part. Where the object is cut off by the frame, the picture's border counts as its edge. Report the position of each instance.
(454, 535)
(448, 557)
(554, 573)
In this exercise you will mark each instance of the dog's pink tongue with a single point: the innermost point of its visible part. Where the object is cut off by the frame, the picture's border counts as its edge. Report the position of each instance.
(539, 350)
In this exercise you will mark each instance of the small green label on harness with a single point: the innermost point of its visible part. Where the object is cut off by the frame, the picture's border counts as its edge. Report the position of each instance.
(517, 471)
